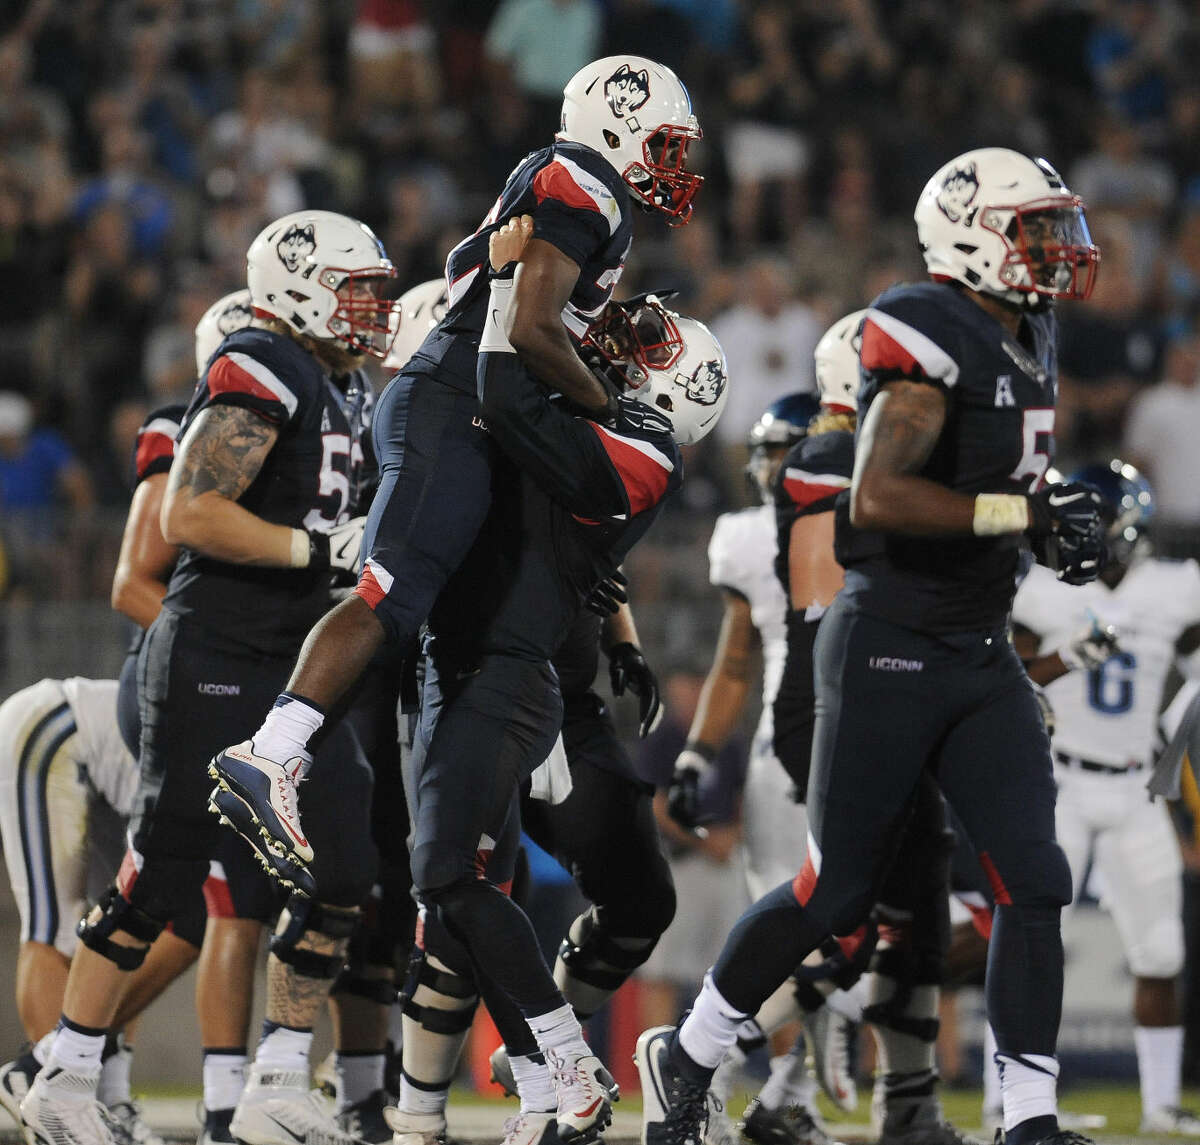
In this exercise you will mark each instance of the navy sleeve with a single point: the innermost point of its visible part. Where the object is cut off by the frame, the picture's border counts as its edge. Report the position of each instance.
(575, 211)
(154, 449)
(596, 472)
(906, 336)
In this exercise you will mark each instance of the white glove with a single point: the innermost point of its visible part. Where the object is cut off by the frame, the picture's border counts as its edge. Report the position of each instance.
(1090, 647)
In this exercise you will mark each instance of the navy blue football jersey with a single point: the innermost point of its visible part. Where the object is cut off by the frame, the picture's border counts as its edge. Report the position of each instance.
(154, 447)
(309, 480)
(814, 471)
(577, 659)
(570, 499)
(578, 204)
(998, 437)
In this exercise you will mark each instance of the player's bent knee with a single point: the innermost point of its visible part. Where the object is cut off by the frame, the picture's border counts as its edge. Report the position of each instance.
(1158, 952)
(592, 953)
(115, 914)
(312, 938)
(438, 871)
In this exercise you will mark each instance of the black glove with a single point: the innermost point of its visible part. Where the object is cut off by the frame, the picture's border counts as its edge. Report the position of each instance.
(338, 550)
(608, 596)
(1068, 532)
(627, 668)
(683, 797)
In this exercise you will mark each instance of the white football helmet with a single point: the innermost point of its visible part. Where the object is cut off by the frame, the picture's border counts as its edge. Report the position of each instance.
(836, 362)
(414, 314)
(322, 274)
(222, 318)
(638, 116)
(1006, 225)
(671, 363)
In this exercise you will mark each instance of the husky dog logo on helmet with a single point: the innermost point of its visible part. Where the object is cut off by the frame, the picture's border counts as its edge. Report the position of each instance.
(626, 90)
(296, 245)
(707, 383)
(236, 316)
(959, 189)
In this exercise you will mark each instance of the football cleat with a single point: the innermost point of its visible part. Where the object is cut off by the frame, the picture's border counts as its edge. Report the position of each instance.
(365, 1119)
(216, 1130)
(791, 1125)
(531, 1129)
(1062, 1137)
(719, 1130)
(129, 1127)
(278, 1108)
(914, 1121)
(501, 1071)
(235, 814)
(582, 1086)
(993, 1120)
(270, 793)
(16, 1078)
(674, 1108)
(415, 1128)
(829, 1035)
(1169, 1119)
(61, 1109)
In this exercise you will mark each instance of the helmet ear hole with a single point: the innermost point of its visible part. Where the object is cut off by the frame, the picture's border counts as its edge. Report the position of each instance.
(612, 139)
(664, 402)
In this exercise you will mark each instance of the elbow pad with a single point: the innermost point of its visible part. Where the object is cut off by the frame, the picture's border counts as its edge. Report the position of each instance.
(795, 702)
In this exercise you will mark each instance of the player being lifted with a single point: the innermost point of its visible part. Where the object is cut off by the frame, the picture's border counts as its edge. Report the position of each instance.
(914, 671)
(616, 147)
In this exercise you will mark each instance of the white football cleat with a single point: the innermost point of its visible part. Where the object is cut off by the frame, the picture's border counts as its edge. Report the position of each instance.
(531, 1129)
(278, 1108)
(61, 1109)
(582, 1086)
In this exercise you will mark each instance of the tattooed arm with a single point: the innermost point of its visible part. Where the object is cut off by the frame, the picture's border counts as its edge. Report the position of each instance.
(897, 436)
(214, 465)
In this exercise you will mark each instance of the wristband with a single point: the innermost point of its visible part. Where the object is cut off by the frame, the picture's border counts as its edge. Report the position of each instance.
(494, 340)
(301, 550)
(997, 513)
(695, 757)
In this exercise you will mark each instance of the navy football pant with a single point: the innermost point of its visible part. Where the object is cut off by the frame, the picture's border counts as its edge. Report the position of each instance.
(892, 703)
(484, 728)
(435, 462)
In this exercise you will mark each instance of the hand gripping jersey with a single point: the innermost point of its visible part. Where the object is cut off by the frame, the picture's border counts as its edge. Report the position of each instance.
(571, 497)
(579, 205)
(998, 438)
(814, 472)
(308, 481)
(1110, 714)
(740, 555)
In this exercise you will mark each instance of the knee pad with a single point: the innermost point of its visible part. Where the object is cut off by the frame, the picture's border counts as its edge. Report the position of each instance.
(114, 912)
(592, 955)
(440, 993)
(303, 916)
(368, 950)
(1158, 952)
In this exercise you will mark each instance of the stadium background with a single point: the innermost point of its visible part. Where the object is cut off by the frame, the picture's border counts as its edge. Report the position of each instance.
(143, 143)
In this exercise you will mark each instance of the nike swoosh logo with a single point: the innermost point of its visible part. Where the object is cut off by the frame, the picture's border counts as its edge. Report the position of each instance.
(291, 1133)
(656, 1078)
(1057, 501)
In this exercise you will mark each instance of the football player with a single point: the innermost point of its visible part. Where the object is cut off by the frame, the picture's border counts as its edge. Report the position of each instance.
(257, 496)
(67, 786)
(914, 671)
(1107, 695)
(614, 149)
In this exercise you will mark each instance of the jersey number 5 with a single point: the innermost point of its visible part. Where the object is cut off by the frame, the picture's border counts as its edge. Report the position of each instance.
(340, 460)
(1037, 441)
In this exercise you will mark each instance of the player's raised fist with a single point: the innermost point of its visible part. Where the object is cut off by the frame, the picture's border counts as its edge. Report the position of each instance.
(506, 244)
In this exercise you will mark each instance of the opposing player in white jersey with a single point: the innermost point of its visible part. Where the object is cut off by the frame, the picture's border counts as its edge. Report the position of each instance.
(1106, 699)
(67, 784)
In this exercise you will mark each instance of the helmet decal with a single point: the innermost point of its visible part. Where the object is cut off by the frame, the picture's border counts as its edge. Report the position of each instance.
(627, 90)
(236, 316)
(959, 189)
(707, 383)
(296, 245)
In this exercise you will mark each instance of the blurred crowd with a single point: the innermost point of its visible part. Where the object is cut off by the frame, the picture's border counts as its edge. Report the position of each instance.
(143, 143)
